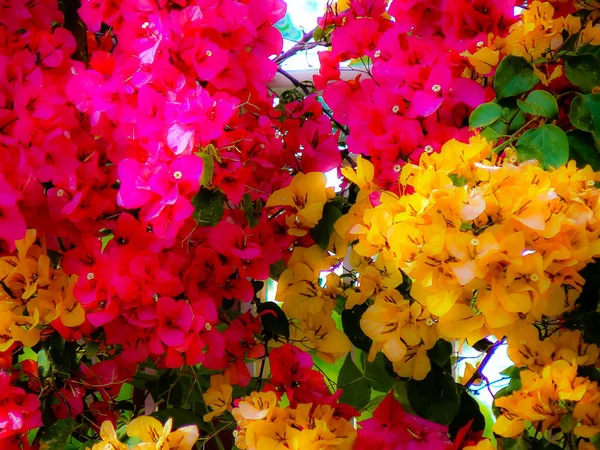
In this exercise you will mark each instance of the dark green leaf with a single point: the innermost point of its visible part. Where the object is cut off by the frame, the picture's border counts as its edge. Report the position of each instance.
(351, 325)
(276, 269)
(322, 231)
(208, 170)
(436, 397)
(584, 149)
(587, 322)
(539, 103)
(585, 113)
(513, 444)
(356, 390)
(583, 71)
(401, 390)
(440, 353)
(43, 363)
(551, 142)
(485, 115)
(518, 121)
(274, 321)
(252, 210)
(528, 153)
(208, 206)
(469, 411)
(514, 76)
(378, 375)
(55, 437)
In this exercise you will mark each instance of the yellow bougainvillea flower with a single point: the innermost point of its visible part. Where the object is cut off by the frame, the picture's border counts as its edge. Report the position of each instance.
(218, 397)
(305, 197)
(156, 437)
(415, 364)
(109, 439)
(485, 444)
(483, 60)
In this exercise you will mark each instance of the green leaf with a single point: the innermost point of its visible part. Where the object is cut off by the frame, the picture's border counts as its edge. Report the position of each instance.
(514, 385)
(484, 115)
(356, 390)
(251, 210)
(55, 437)
(458, 181)
(208, 206)
(351, 325)
(518, 121)
(209, 168)
(513, 444)
(514, 76)
(401, 390)
(435, 398)
(276, 269)
(539, 103)
(322, 231)
(528, 153)
(583, 71)
(378, 375)
(440, 353)
(551, 142)
(43, 363)
(584, 149)
(469, 411)
(585, 113)
(274, 321)
(587, 322)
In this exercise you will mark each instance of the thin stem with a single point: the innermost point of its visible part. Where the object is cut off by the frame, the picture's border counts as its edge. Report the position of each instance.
(489, 354)
(302, 44)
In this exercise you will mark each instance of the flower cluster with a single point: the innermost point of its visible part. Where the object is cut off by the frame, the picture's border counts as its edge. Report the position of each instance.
(263, 424)
(487, 246)
(19, 412)
(408, 95)
(309, 302)
(151, 435)
(33, 294)
(551, 389)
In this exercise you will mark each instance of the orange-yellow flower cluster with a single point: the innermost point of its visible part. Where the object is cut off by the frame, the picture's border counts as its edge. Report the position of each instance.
(303, 200)
(151, 436)
(487, 246)
(546, 398)
(309, 303)
(33, 293)
(218, 397)
(552, 396)
(263, 425)
(538, 36)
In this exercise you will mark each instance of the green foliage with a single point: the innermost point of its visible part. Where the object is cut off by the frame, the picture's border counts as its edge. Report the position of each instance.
(208, 206)
(583, 71)
(252, 209)
(550, 141)
(514, 76)
(436, 397)
(56, 436)
(539, 103)
(440, 353)
(469, 410)
(208, 170)
(585, 113)
(356, 389)
(585, 321)
(583, 148)
(514, 373)
(528, 153)
(484, 115)
(377, 373)
(322, 231)
(351, 325)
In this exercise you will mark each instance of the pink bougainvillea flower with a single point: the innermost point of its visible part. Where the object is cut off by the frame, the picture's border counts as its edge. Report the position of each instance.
(19, 411)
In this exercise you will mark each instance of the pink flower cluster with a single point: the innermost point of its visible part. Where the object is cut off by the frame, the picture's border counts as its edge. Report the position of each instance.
(408, 95)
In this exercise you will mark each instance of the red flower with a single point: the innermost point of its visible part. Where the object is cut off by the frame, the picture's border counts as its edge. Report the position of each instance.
(19, 411)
